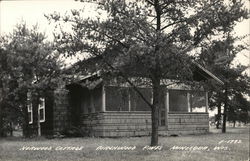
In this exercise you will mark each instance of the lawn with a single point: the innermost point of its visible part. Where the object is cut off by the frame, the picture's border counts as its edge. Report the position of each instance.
(232, 146)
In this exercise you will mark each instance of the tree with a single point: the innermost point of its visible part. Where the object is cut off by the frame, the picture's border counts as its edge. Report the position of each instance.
(219, 58)
(238, 109)
(28, 63)
(156, 34)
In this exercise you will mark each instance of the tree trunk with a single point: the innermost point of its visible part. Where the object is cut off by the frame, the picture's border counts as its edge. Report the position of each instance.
(11, 129)
(1, 108)
(218, 119)
(225, 112)
(25, 129)
(155, 112)
(25, 123)
(1, 121)
(234, 123)
(156, 81)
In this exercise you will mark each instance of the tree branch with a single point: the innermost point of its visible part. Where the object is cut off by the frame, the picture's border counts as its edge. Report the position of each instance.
(121, 74)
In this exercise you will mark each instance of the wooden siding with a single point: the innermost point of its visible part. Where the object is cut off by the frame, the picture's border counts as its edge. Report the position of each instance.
(118, 124)
(60, 115)
(187, 123)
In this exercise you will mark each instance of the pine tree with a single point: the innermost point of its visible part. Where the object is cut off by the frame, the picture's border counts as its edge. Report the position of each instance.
(157, 34)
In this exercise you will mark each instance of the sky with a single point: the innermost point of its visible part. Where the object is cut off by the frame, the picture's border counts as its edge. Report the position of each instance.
(32, 12)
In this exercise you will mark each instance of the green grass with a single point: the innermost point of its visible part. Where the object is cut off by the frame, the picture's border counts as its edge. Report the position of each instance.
(9, 148)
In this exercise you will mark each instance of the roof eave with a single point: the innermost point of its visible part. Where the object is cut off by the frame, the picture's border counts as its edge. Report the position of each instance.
(210, 74)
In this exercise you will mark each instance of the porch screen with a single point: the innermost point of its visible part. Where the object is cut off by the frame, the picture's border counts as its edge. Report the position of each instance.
(178, 101)
(117, 98)
(137, 103)
(198, 101)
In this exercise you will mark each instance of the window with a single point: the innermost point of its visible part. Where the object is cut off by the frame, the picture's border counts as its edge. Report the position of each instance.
(29, 107)
(137, 103)
(41, 109)
(126, 99)
(178, 101)
(198, 101)
(117, 99)
(30, 113)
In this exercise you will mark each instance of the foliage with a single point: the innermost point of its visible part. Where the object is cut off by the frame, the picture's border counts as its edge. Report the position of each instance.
(219, 58)
(27, 63)
(156, 34)
(73, 131)
(239, 108)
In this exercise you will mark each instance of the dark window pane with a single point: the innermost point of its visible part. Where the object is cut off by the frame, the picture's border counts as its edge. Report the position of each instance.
(178, 101)
(42, 114)
(117, 98)
(137, 103)
(30, 117)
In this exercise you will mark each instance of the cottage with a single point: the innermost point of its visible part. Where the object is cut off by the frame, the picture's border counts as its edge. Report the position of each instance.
(107, 108)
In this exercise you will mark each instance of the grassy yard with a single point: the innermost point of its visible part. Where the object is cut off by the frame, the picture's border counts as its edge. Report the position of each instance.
(232, 146)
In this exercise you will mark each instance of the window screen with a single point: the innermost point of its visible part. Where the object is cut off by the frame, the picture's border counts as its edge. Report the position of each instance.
(137, 103)
(117, 98)
(198, 101)
(178, 101)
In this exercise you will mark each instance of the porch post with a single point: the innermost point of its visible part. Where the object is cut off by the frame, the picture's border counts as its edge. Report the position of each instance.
(129, 101)
(103, 99)
(188, 101)
(166, 108)
(151, 98)
(206, 102)
(38, 117)
(38, 121)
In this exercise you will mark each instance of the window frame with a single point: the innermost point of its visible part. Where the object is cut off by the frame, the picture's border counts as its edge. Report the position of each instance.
(129, 101)
(41, 107)
(29, 108)
(185, 95)
(30, 112)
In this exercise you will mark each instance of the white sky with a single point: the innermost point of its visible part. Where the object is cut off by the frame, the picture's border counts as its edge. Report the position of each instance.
(32, 12)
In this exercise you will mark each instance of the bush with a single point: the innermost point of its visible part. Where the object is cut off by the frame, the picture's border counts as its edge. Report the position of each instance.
(73, 131)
